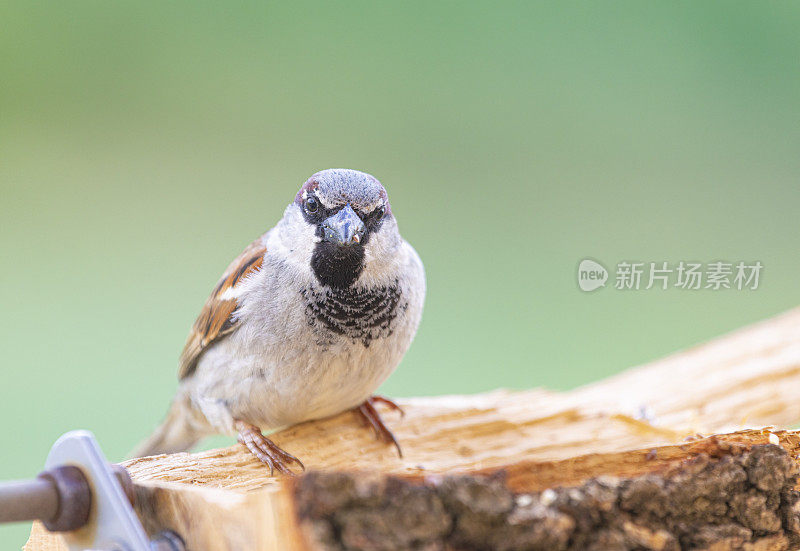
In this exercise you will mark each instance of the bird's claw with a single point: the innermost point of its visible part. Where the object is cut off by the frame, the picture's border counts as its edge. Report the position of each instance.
(372, 417)
(391, 404)
(266, 450)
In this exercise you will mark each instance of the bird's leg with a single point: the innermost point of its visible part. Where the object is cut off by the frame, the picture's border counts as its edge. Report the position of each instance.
(372, 417)
(265, 449)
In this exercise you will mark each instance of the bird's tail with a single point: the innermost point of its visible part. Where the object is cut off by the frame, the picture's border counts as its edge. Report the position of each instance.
(179, 431)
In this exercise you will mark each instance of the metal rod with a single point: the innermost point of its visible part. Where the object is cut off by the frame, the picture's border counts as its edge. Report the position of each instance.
(167, 541)
(27, 500)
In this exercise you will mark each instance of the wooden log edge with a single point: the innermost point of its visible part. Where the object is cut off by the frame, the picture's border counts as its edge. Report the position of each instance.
(730, 496)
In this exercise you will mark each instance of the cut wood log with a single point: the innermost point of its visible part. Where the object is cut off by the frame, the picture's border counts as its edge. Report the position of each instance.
(707, 406)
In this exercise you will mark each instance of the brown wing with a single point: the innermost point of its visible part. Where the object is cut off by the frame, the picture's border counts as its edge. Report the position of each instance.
(214, 321)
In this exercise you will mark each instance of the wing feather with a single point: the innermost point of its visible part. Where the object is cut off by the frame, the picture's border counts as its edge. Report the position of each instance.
(216, 318)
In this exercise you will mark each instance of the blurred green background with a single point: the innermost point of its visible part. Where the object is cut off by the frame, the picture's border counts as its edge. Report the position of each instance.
(144, 144)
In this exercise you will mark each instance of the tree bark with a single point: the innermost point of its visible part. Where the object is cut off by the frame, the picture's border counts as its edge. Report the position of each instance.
(506, 470)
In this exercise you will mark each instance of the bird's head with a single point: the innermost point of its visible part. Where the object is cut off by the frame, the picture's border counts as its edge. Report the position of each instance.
(342, 224)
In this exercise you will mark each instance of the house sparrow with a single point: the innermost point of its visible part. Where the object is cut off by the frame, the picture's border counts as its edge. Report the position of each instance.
(306, 323)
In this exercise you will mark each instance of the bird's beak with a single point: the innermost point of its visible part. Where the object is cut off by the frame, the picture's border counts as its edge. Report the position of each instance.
(344, 228)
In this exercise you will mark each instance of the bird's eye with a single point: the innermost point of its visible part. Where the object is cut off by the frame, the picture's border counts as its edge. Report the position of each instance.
(312, 205)
(379, 212)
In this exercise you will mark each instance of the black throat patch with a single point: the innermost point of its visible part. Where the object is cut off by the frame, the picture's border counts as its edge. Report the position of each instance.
(335, 266)
(359, 314)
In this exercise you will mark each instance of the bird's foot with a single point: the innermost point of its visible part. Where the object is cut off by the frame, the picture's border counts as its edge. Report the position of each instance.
(266, 450)
(373, 419)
